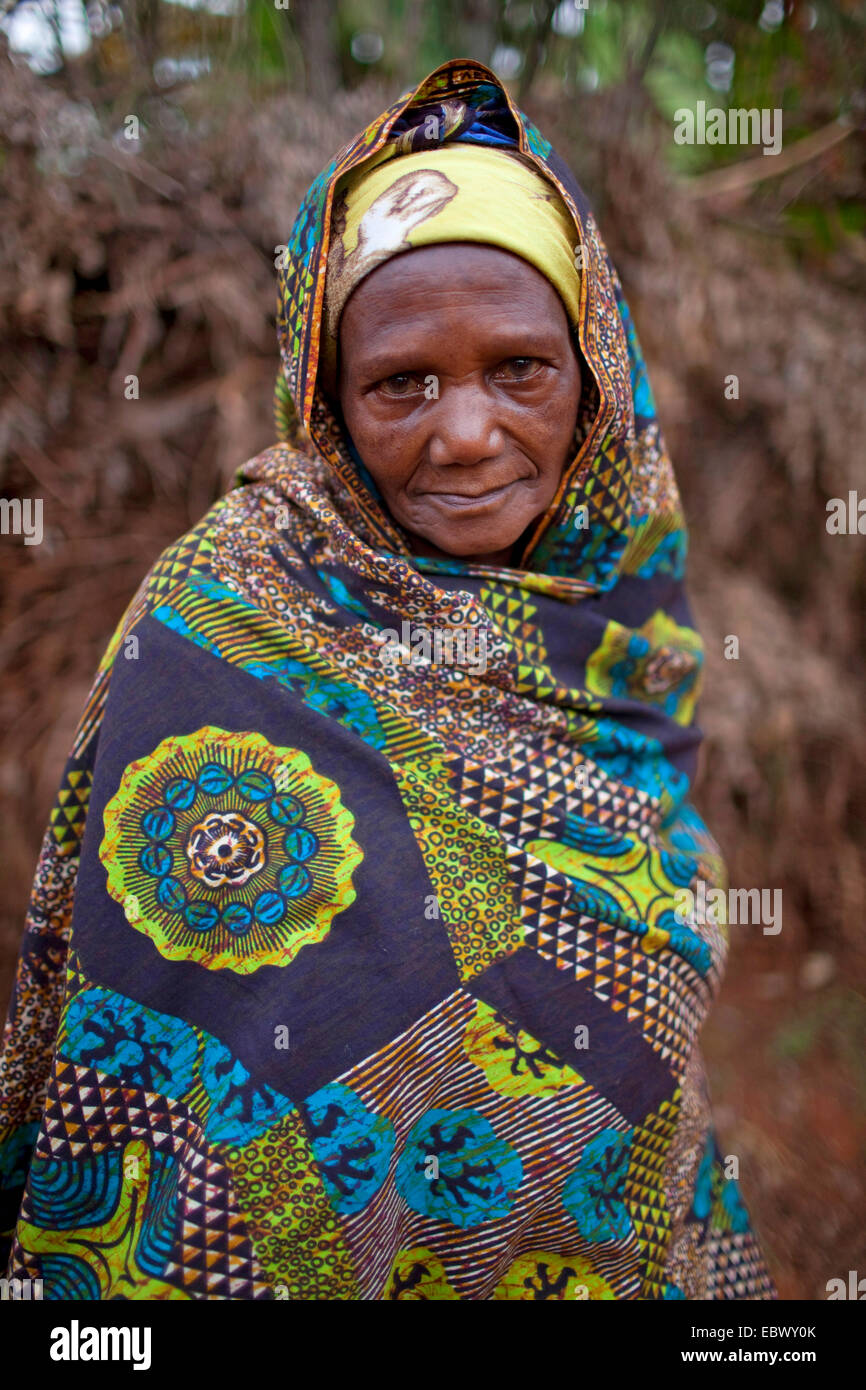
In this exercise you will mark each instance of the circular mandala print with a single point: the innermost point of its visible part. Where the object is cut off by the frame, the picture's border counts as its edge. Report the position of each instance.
(229, 851)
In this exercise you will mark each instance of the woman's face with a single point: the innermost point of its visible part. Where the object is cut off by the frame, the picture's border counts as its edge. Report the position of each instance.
(460, 386)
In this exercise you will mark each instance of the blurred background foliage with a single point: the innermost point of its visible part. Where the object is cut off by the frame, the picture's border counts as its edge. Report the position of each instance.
(665, 54)
(805, 58)
(152, 158)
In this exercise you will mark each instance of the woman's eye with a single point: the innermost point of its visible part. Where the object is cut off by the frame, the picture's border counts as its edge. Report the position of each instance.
(519, 368)
(400, 384)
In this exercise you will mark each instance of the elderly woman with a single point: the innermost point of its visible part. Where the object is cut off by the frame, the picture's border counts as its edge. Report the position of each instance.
(381, 979)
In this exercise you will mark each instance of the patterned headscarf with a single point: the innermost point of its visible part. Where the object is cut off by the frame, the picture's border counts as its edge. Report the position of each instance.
(459, 193)
(605, 518)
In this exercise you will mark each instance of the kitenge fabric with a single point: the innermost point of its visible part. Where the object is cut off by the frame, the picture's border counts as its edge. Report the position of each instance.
(353, 979)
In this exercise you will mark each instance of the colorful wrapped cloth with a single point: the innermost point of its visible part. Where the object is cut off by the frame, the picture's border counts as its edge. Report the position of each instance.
(352, 978)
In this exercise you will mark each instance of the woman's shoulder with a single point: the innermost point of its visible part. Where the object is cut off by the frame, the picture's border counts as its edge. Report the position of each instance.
(252, 507)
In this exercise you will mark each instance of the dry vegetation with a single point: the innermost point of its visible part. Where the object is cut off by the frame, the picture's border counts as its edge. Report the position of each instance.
(161, 264)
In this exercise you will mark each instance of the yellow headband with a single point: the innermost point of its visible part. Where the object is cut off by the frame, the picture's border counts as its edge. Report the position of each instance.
(454, 193)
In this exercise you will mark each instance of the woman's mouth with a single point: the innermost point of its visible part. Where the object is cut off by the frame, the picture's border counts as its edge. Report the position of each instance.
(465, 501)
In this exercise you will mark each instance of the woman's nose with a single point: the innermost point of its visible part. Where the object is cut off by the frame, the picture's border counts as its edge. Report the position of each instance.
(464, 426)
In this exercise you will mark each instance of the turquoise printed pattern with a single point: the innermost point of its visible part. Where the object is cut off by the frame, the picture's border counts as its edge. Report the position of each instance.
(352, 1146)
(455, 1168)
(162, 1054)
(593, 1194)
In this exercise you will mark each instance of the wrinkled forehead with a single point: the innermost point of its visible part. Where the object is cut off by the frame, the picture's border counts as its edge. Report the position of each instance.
(451, 307)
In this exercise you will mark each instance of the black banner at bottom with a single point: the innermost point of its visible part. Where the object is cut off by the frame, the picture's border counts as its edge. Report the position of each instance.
(227, 1336)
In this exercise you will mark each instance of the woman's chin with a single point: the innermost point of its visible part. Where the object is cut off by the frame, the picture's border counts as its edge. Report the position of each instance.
(460, 538)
